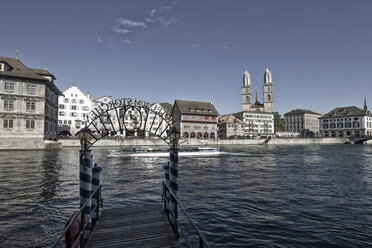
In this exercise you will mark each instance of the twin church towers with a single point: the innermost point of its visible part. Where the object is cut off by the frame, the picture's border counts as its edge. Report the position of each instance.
(268, 94)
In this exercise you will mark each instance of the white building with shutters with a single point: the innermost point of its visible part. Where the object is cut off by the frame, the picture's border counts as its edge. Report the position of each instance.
(73, 107)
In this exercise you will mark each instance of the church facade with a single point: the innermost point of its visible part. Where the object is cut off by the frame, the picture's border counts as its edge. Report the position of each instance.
(258, 117)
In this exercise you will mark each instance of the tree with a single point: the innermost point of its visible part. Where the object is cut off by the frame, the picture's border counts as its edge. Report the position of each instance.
(278, 124)
(167, 105)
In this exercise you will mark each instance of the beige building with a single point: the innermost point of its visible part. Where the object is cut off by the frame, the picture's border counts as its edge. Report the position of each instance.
(346, 122)
(303, 121)
(230, 127)
(28, 101)
(195, 119)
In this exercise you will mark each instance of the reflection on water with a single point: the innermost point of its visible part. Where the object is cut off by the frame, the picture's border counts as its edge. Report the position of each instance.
(265, 196)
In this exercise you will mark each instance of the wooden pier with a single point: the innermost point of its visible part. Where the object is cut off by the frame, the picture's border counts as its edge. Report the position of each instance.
(145, 226)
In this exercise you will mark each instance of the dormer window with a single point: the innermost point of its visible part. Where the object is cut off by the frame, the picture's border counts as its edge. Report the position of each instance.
(2, 67)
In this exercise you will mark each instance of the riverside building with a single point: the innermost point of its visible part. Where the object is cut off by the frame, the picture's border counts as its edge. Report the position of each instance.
(346, 122)
(109, 119)
(28, 104)
(195, 119)
(230, 127)
(258, 117)
(303, 121)
(73, 107)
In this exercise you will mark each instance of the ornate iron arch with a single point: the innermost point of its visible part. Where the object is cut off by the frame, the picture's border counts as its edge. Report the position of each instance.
(131, 116)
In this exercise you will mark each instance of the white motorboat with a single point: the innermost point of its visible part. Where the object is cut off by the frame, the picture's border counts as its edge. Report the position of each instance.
(164, 152)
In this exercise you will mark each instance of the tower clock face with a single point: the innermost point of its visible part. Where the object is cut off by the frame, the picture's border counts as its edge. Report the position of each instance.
(132, 119)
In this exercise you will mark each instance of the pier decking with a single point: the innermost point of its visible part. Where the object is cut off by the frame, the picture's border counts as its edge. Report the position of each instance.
(145, 226)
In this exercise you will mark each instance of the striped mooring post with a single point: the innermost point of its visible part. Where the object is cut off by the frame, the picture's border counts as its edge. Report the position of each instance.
(173, 183)
(96, 170)
(86, 189)
(166, 202)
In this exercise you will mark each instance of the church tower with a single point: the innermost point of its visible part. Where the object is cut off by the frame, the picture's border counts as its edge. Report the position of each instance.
(246, 92)
(268, 92)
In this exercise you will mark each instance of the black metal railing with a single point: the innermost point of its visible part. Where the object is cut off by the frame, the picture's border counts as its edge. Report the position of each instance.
(84, 223)
(202, 241)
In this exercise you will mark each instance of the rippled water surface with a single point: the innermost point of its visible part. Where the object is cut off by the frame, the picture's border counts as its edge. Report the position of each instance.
(252, 196)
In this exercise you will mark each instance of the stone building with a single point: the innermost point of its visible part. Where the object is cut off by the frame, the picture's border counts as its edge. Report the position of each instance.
(303, 121)
(230, 127)
(346, 122)
(110, 120)
(73, 107)
(195, 119)
(258, 117)
(28, 102)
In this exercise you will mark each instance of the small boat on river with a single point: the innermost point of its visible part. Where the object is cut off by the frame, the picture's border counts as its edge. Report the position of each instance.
(164, 152)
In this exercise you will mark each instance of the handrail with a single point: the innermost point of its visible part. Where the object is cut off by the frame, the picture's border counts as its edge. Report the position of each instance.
(75, 217)
(202, 240)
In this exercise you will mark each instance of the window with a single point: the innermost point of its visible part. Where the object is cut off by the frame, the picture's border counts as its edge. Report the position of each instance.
(340, 125)
(66, 100)
(69, 122)
(30, 106)
(73, 107)
(62, 106)
(31, 89)
(356, 124)
(73, 114)
(65, 122)
(85, 108)
(8, 104)
(59, 121)
(9, 86)
(61, 113)
(333, 125)
(1, 67)
(30, 124)
(81, 101)
(347, 125)
(8, 123)
(73, 100)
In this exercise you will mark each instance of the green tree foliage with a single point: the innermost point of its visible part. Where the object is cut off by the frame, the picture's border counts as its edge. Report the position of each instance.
(278, 124)
(166, 105)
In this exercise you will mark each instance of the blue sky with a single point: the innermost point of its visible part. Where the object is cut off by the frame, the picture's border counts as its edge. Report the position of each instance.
(319, 52)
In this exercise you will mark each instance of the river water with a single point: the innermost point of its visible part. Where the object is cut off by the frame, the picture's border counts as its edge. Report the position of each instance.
(251, 196)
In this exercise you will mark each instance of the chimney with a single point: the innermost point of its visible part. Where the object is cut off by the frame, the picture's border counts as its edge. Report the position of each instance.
(16, 54)
(88, 95)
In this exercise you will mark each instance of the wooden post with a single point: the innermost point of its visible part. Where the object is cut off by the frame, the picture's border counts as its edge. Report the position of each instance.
(173, 183)
(95, 199)
(86, 190)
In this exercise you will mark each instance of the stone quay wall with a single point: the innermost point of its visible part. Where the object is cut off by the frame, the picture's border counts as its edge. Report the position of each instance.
(28, 143)
(36, 143)
(202, 142)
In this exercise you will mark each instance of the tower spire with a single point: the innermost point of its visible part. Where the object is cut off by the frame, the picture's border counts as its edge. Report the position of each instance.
(256, 94)
(365, 104)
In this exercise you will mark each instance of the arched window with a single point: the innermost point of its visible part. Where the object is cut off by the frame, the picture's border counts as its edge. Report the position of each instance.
(212, 136)
(199, 135)
(192, 135)
(356, 124)
(357, 133)
(269, 97)
(185, 134)
(325, 126)
(332, 125)
(340, 125)
(347, 125)
(206, 135)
